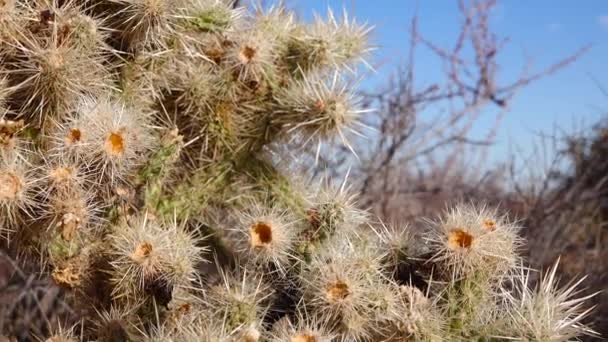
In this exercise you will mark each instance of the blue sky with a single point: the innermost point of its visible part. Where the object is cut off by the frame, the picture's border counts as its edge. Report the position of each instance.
(540, 31)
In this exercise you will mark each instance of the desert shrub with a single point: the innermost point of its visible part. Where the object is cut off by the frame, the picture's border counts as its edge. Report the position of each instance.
(564, 204)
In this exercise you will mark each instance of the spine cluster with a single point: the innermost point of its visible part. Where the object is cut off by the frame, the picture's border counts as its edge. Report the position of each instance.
(143, 149)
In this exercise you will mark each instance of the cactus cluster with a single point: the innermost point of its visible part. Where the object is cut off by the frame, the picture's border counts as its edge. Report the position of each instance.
(143, 169)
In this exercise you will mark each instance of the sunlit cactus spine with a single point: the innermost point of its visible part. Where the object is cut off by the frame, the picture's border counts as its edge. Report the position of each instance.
(143, 169)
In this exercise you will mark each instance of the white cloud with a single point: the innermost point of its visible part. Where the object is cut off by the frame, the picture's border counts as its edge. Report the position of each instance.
(603, 21)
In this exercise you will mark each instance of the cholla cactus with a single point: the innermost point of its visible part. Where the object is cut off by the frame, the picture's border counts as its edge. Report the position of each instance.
(141, 139)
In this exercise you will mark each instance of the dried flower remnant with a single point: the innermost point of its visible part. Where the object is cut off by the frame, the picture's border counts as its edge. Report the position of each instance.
(10, 186)
(261, 234)
(142, 252)
(115, 144)
(337, 292)
(9, 131)
(489, 225)
(266, 236)
(459, 239)
(74, 136)
(66, 277)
